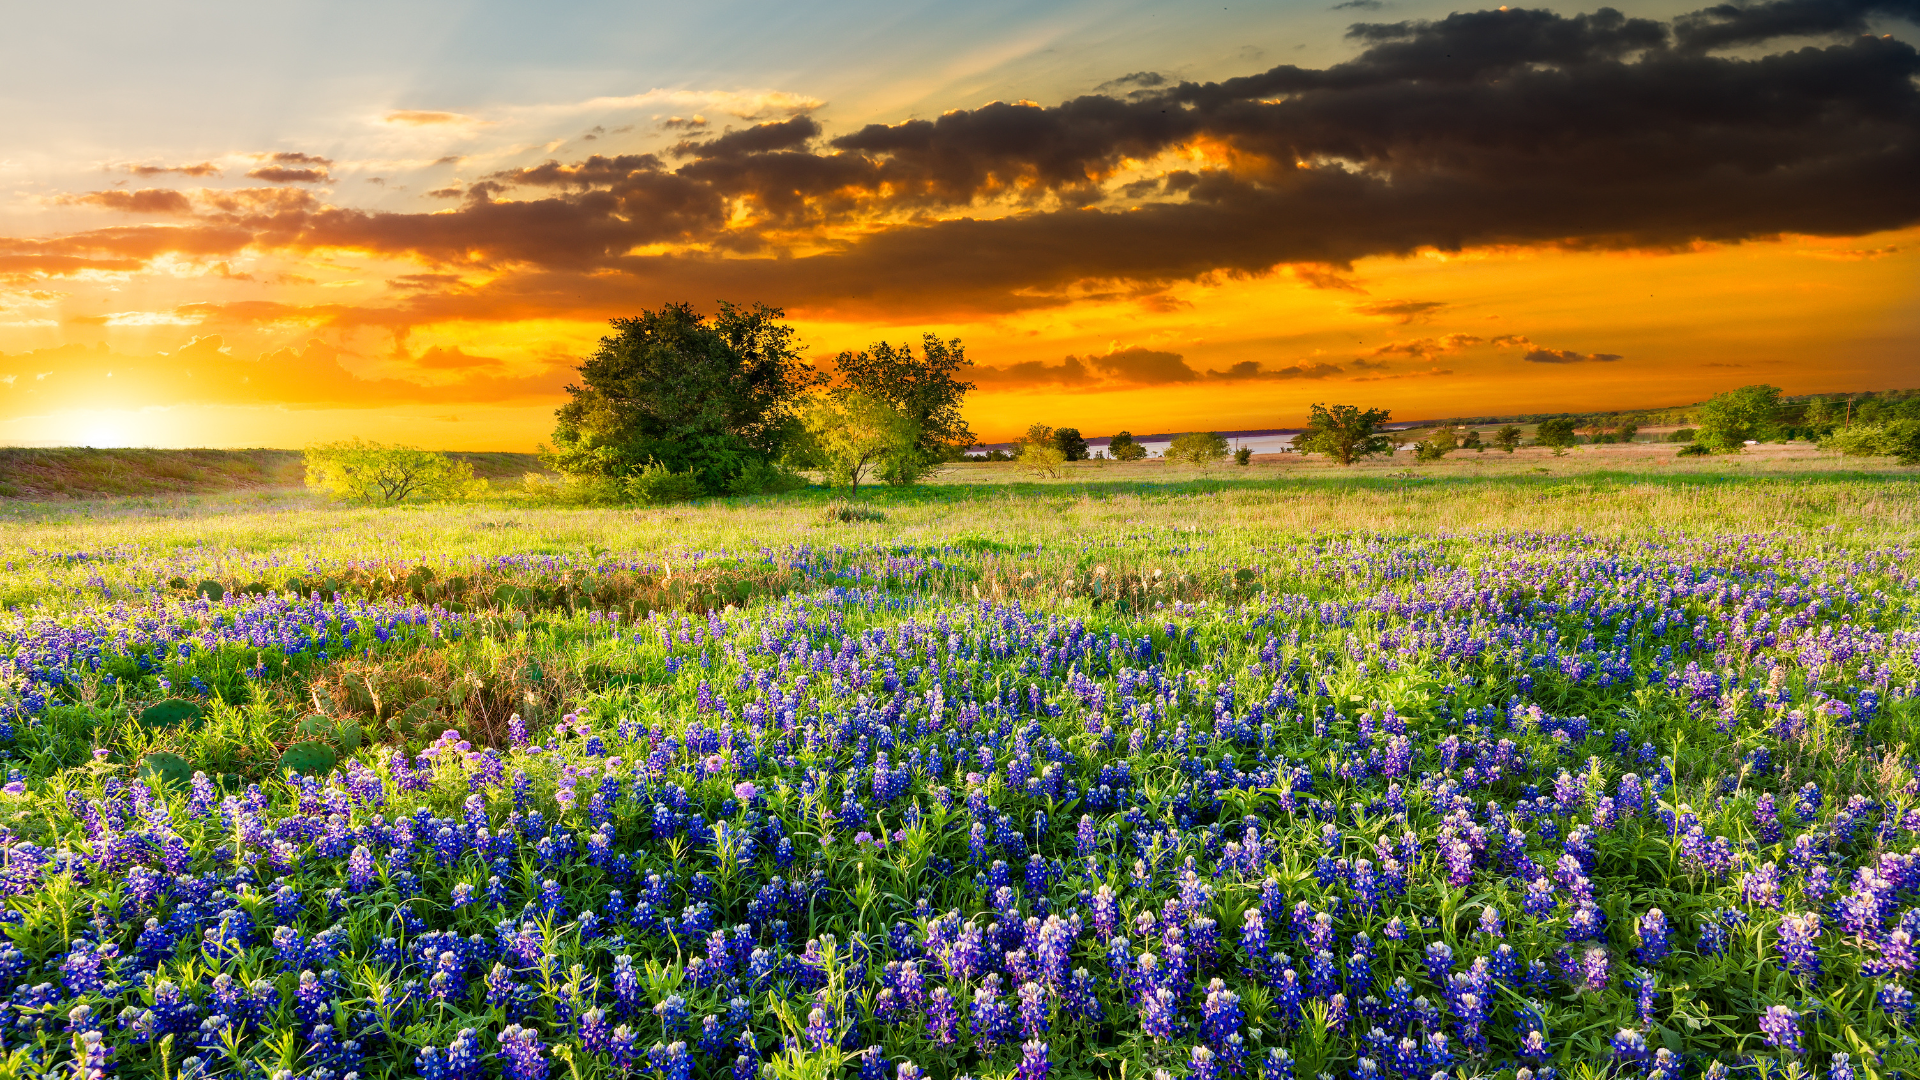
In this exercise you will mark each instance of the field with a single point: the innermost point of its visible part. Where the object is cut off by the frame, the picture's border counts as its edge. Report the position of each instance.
(1599, 764)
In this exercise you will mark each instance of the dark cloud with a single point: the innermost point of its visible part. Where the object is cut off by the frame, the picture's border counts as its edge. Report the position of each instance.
(1357, 5)
(294, 157)
(1508, 128)
(759, 139)
(1725, 25)
(1568, 356)
(1138, 367)
(1252, 369)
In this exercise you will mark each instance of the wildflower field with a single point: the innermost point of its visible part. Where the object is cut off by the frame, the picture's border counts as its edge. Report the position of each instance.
(1575, 773)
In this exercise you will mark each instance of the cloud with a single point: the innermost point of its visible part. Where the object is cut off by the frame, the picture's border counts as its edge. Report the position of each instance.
(1428, 348)
(1400, 311)
(1568, 356)
(430, 118)
(1322, 277)
(280, 174)
(293, 167)
(1725, 25)
(1358, 5)
(1137, 367)
(440, 358)
(1252, 369)
(143, 201)
(1484, 128)
(205, 168)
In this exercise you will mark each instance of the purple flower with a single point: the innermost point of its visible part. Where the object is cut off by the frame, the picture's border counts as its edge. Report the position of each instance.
(1781, 1026)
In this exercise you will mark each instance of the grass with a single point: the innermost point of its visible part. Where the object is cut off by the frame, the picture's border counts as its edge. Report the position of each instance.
(84, 473)
(1244, 640)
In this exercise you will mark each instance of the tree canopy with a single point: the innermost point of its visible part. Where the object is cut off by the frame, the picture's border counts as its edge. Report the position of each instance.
(925, 389)
(1344, 433)
(1072, 446)
(708, 395)
(1122, 448)
(371, 472)
(1201, 448)
(1729, 419)
(855, 434)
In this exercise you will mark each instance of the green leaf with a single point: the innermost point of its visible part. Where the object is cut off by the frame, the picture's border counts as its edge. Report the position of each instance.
(211, 589)
(167, 768)
(172, 713)
(308, 759)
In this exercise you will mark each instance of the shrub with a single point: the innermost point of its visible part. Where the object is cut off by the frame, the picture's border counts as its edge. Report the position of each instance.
(765, 478)
(1693, 450)
(1201, 448)
(1243, 456)
(1685, 434)
(1896, 439)
(573, 490)
(360, 471)
(657, 485)
(1437, 445)
(1507, 438)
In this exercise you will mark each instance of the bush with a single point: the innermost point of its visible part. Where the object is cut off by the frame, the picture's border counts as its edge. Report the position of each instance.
(765, 478)
(1202, 448)
(574, 490)
(1685, 434)
(656, 485)
(371, 472)
(1694, 450)
(1243, 456)
(846, 513)
(1895, 439)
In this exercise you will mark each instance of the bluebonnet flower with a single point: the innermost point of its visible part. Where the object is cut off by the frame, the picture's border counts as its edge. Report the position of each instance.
(1781, 1026)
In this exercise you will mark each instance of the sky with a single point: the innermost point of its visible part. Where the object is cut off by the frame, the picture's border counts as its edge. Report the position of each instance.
(270, 225)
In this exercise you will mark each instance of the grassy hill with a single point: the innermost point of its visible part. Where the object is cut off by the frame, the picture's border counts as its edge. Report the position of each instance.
(84, 473)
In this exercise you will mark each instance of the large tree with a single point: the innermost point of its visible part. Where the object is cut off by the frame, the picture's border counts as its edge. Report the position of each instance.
(1344, 433)
(1072, 446)
(925, 389)
(710, 395)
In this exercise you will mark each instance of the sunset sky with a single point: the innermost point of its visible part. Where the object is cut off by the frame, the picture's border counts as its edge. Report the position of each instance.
(270, 224)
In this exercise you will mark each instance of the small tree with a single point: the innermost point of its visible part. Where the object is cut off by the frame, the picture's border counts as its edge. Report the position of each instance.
(1557, 434)
(1507, 438)
(925, 389)
(1039, 451)
(855, 434)
(1122, 448)
(1071, 445)
(1729, 419)
(371, 472)
(1438, 444)
(1344, 433)
(1199, 448)
(1473, 442)
(1243, 456)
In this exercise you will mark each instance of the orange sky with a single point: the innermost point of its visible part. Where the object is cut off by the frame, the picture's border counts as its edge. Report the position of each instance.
(1489, 212)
